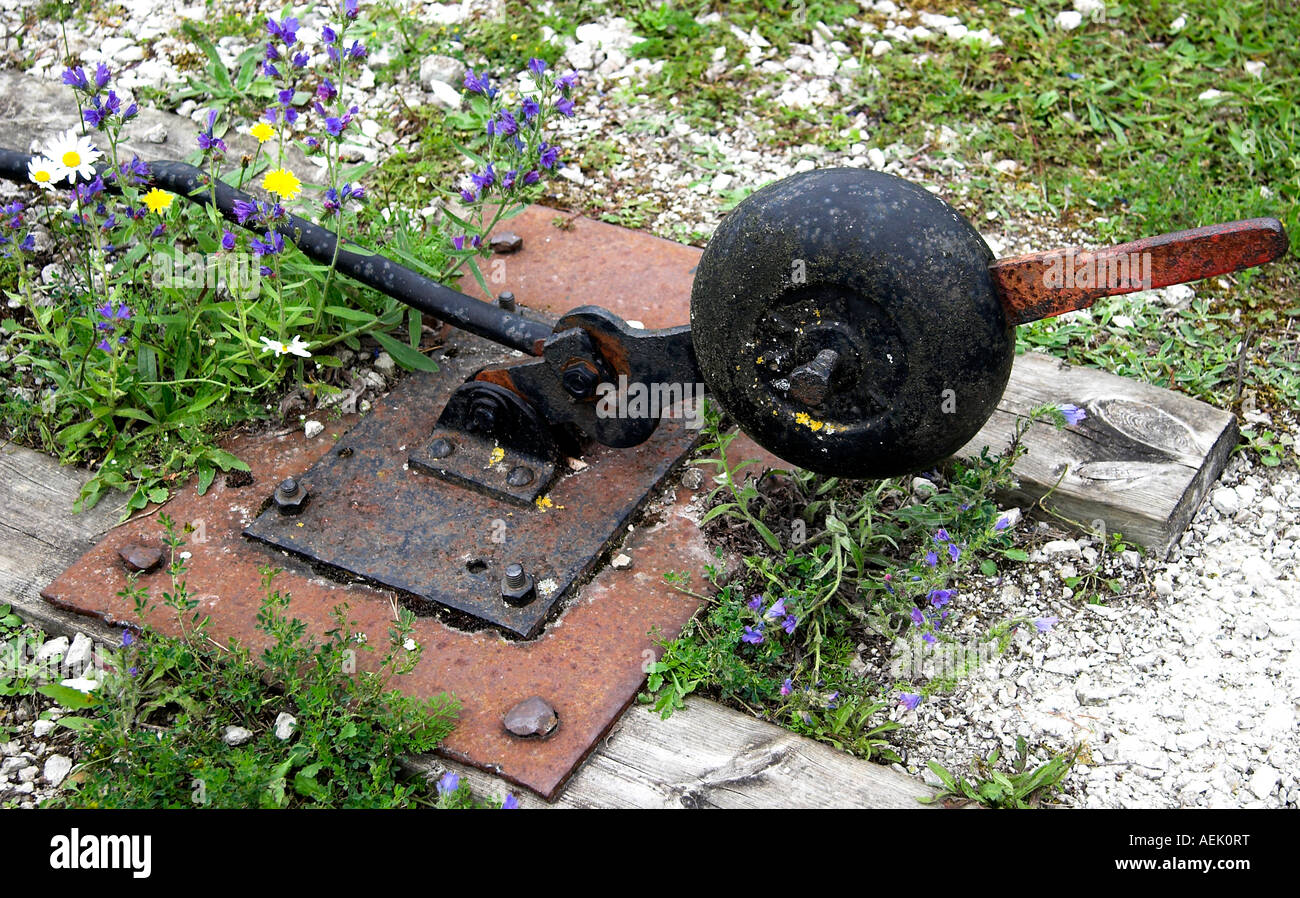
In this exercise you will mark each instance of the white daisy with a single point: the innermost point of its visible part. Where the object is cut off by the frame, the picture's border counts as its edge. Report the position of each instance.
(74, 155)
(296, 346)
(43, 172)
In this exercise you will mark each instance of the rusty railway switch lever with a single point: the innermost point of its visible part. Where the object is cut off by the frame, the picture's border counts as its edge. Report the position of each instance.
(898, 302)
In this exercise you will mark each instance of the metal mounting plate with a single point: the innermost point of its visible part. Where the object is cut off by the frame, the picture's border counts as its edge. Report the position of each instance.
(375, 515)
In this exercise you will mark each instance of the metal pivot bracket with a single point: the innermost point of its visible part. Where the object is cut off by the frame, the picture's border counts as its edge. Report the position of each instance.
(489, 439)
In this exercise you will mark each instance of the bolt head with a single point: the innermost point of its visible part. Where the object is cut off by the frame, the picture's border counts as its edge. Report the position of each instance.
(579, 380)
(520, 475)
(441, 447)
(290, 496)
(517, 586)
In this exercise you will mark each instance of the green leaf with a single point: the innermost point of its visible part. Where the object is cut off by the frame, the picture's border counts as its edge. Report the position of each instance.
(1016, 554)
(225, 461)
(75, 723)
(405, 355)
(66, 696)
(987, 567)
(206, 475)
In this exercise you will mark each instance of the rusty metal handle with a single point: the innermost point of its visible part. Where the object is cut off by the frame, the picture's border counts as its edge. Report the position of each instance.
(1040, 285)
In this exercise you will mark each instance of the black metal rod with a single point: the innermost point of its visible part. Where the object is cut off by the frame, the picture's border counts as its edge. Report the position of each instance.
(484, 319)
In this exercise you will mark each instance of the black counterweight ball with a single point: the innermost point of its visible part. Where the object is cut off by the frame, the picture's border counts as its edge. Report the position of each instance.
(846, 319)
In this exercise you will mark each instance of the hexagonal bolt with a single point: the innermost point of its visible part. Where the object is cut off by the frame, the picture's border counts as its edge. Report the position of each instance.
(579, 379)
(483, 416)
(441, 448)
(507, 301)
(810, 384)
(291, 496)
(517, 586)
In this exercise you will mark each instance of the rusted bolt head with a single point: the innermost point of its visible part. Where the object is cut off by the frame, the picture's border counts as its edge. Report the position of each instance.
(141, 559)
(441, 448)
(533, 718)
(810, 384)
(579, 379)
(507, 301)
(290, 496)
(517, 587)
(520, 476)
(483, 416)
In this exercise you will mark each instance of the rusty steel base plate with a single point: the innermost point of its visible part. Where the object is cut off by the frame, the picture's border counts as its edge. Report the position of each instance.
(375, 514)
(588, 662)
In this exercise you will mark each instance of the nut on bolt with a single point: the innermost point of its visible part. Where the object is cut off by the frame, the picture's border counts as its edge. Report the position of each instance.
(517, 587)
(291, 496)
(580, 378)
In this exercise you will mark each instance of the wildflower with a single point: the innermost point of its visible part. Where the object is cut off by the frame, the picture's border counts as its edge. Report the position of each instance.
(1045, 624)
(953, 552)
(550, 156)
(508, 179)
(357, 50)
(157, 231)
(787, 687)
(157, 200)
(272, 245)
(565, 82)
(75, 155)
(42, 172)
(262, 131)
(296, 346)
(777, 609)
(410, 644)
(328, 35)
(931, 559)
(909, 700)
(76, 78)
(1072, 414)
(1003, 523)
(127, 639)
(326, 91)
(755, 603)
(532, 177)
(447, 783)
(529, 109)
(350, 8)
(511, 803)
(286, 30)
(300, 60)
(940, 597)
(244, 210)
(917, 617)
(832, 699)
(227, 240)
(458, 242)
(477, 84)
(928, 638)
(753, 635)
(102, 74)
(564, 106)
(507, 125)
(283, 183)
(941, 536)
(790, 623)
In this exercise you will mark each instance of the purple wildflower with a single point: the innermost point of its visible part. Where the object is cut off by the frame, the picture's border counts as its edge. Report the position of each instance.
(529, 109)
(1003, 523)
(917, 617)
(909, 700)
(931, 559)
(550, 155)
(940, 597)
(537, 66)
(777, 609)
(328, 35)
(1045, 624)
(1072, 414)
(458, 242)
(244, 210)
(928, 638)
(953, 552)
(564, 82)
(326, 91)
(476, 84)
(787, 687)
(532, 177)
(102, 74)
(941, 536)
(564, 106)
(76, 78)
(449, 782)
(227, 240)
(754, 603)
(790, 623)
(127, 639)
(511, 803)
(350, 8)
(753, 635)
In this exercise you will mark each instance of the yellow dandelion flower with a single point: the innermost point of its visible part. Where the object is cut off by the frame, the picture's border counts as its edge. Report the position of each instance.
(283, 183)
(262, 131)
(158, 200)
